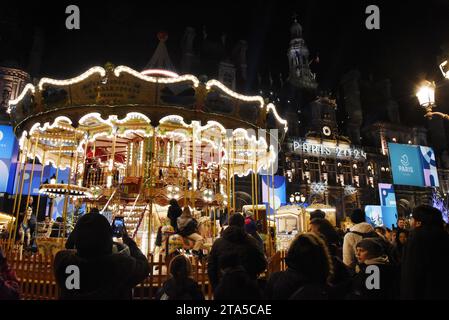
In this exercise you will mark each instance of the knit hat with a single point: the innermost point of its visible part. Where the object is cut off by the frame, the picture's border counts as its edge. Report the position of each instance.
(93, 236)
(373, 246)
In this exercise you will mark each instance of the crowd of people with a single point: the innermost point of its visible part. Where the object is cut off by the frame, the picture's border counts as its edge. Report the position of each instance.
(364, 263)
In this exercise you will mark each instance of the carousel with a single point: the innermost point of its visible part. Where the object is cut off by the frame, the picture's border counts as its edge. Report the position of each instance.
(131, 141)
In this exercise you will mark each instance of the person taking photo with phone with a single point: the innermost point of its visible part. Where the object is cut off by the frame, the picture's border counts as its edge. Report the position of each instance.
(103, 273)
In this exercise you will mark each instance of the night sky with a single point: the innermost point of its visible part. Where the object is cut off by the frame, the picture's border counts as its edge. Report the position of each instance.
(405, 49)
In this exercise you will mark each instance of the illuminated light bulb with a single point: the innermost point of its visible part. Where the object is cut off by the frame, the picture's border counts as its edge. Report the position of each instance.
(109, 181)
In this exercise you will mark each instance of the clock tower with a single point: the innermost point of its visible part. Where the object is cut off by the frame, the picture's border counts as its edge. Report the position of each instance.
(321, 118)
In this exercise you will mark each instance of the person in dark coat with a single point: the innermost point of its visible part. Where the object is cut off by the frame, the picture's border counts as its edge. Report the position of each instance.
(173, 213)
(9, 285)
(70, 243)
(102, 273)
(425, 262)
(251, 229)
(340, 283)
(309, 269)
(235, 283)
(235, 239)
(399, 245)
(180, 285)
(371, 252)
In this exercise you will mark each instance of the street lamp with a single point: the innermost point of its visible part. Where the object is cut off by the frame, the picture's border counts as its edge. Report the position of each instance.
(297, 198)
(444, 67)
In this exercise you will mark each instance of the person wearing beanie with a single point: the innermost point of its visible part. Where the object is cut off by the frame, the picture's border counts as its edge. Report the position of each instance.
(357, 232)
(104, 274)
(371, 252)
(235, 239)
(425, 259)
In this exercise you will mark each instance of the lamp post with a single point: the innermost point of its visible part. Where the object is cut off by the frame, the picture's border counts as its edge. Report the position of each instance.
(426, 98)
(297, 198)
(444, 67)
(426, 94)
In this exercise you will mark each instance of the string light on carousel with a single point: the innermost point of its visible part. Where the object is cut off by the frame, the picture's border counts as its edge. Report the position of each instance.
(154, 136)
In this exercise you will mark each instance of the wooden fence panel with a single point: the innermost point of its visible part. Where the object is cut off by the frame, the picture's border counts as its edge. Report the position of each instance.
(37, 280)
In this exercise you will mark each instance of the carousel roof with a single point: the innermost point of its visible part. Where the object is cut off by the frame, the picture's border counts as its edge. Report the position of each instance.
(121, 90)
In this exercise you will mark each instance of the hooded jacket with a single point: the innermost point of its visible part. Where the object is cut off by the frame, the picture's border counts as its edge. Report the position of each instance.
(235, 239)
(387, 281)
(236, 284)
(350, 241)
(108, 277)
(172, 291)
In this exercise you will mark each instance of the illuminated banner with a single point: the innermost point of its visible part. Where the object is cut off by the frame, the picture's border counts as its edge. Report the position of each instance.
(279, 191)
(327, 149)
(381, 216)
(413, 165)
(8, 148)
(386, 195)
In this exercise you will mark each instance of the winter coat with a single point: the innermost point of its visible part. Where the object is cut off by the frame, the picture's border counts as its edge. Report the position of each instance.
(9, 285)
(340, 283)
(235, 239)
(236, 284)
(283, 284)
(172, 291)
(174, 212)
(108, 277)
(350, 241)
(396, 254)
(311, 291)
(425, 264)
(187, 226)
(388, 281)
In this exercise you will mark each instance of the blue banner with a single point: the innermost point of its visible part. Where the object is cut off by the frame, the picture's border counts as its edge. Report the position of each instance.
(279, 192)
(413, 165)
(381, 216)
(386, 195)
(8, 155)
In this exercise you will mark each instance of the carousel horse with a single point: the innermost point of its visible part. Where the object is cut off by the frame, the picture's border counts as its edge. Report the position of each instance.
(172, 243)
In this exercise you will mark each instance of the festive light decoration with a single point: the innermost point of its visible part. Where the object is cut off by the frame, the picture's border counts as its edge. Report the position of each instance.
(318, 187)
(118, 70)
(28, 87)
(222, 87)
(59, 190)
(162, 72)
(349, 190)
(74, 80)
(272, 107)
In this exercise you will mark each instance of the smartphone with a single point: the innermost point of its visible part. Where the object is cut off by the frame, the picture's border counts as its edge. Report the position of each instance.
(118, 224)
